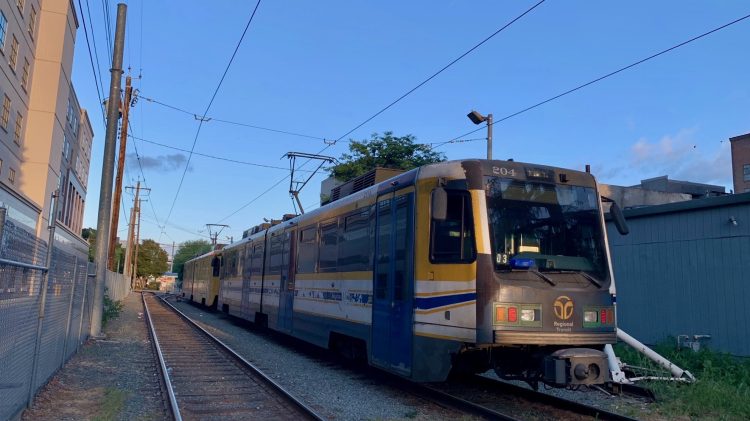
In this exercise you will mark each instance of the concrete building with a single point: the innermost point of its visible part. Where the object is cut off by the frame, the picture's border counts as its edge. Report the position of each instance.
(741, 162)
(658, 191)
(45, 137)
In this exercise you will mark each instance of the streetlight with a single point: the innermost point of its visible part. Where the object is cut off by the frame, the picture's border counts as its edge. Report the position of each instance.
(477, 118)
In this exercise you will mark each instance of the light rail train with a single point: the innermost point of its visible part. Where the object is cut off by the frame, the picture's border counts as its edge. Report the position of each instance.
(463, 265)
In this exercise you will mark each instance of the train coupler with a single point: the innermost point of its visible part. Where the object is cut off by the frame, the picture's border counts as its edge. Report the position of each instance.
(576, 366)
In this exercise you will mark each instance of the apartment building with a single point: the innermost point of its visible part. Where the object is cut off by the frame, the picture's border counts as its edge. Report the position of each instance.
(45, 135)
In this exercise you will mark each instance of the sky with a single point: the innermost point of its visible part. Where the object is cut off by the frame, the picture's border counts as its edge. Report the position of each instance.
(322, 68)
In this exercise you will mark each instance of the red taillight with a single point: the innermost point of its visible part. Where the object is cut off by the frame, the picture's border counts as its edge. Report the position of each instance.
(603, 316)
(512, 314)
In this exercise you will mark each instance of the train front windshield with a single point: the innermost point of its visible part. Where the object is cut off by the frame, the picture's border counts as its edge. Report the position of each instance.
(551, 228)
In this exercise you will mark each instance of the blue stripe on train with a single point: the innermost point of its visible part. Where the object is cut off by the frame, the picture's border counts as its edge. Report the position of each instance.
(426, 303)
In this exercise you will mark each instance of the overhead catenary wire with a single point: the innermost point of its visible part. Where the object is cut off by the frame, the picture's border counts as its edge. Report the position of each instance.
(608, 75)
(397, 100)
(236, 123)
(444, 68)
(208, 107)
(236, 161)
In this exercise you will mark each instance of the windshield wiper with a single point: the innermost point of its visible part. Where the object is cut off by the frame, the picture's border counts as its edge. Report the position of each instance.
(543, 276)
(591, 279)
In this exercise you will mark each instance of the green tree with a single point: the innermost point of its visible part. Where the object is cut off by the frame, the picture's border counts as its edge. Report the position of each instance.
(89, 234)
(386, 151)
(187, 251)
(152, 260)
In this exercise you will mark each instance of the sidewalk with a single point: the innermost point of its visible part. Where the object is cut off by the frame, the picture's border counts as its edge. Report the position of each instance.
(111, 379)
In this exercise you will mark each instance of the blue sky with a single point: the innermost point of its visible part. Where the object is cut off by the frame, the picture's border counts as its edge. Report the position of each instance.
(321, 68)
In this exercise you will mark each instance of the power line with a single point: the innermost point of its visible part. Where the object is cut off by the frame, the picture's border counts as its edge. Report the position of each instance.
(600, 78)
(236, 123)
(213, 97)
(210, 156)
(91, 59)
(441, 70)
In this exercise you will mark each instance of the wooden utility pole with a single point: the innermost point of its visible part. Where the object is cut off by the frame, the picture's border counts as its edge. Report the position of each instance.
(118, 177)
(130, 251)
(137, 240)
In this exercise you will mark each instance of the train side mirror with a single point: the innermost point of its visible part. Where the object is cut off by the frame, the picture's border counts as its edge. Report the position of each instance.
(618, 218)
(439, 205)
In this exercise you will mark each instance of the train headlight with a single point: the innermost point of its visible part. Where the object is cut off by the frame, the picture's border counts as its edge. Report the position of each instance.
(590, 317)
(527, 315)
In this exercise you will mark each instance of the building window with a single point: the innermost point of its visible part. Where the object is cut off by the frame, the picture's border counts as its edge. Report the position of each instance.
(25, 74)
(746, 172)
(19, 128)
(12, 176)
(5, 116)
(32, 21)
(3, 27)
(13, 53)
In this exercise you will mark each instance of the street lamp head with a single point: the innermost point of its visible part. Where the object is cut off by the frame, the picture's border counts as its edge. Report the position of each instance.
(475, 117)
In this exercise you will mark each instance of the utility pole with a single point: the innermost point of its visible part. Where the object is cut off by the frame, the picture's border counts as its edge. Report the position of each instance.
(489, 135)
(118, 177)
(171, 264)
(126, 270)
(137, 238)
(108, 162)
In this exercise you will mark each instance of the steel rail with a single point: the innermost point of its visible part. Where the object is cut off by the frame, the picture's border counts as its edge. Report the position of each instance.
(165, 373)
(555, 401)
(247, 364)
(442, 398)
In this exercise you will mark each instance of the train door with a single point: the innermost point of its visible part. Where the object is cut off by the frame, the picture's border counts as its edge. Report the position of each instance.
(286, 284)
(393, 279)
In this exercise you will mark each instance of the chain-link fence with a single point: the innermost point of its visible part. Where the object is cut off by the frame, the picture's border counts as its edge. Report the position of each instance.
(66, 313)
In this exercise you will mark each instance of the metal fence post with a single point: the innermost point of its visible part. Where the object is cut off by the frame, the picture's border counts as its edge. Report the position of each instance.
(43, 296)
(83, 303)
(3, 211)
(70, 312)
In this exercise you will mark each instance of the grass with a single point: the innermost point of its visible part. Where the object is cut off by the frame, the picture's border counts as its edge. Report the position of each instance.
(112, 309)
(111, 405)
(721, 391)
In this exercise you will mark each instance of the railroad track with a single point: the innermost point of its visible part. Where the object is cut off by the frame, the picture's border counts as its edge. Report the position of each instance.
(495, 399)
(207, 380)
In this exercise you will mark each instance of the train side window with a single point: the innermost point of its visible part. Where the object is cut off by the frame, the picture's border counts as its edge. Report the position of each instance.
(276, 255)
(452, 240)
(328, 247)
(307, 256)
(355, 243)
(256, 267)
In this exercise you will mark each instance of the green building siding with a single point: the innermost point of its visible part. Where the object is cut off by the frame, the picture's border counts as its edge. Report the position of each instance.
(684, 269)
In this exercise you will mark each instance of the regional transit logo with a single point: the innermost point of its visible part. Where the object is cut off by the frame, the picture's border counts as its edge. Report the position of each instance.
(563, 307)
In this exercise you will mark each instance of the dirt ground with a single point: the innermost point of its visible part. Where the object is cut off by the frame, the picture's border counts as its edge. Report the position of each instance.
(111, 379)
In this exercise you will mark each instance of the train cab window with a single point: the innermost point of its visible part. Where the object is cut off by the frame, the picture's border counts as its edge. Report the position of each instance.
(215, 266)
(307, 256)
(328, 247)
(452, 240)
